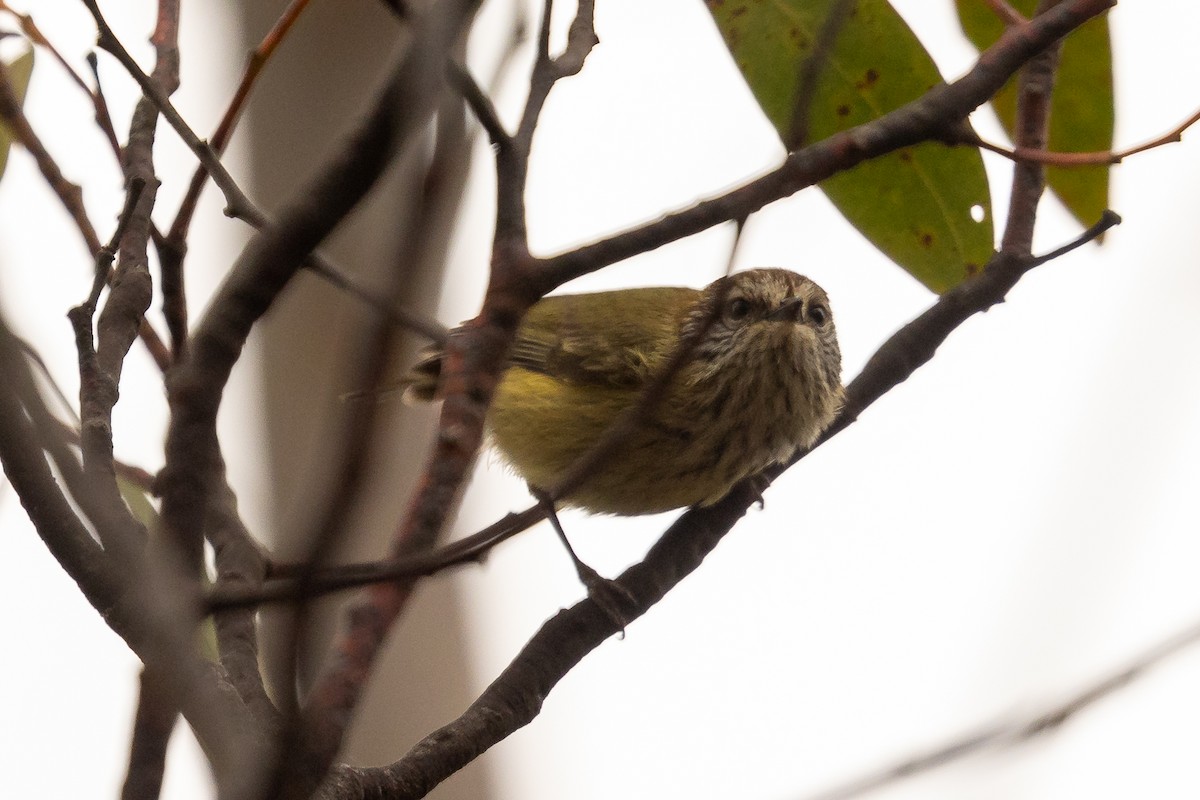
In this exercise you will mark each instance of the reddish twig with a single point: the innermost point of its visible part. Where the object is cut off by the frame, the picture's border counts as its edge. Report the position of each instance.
(35, 35)
(220, 139)
(68, 193)
(926, 118)
(1050, 158)
(174, 245)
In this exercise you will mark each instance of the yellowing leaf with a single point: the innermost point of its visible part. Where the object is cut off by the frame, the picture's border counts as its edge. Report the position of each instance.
(19, 72)
(926, 207)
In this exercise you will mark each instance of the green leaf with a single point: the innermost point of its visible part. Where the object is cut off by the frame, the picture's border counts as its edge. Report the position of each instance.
(19, 71)
(139, 504)
(1081, 107)
(918, 205)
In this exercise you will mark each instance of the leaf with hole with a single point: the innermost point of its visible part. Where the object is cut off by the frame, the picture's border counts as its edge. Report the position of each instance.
(926, 207)
(1082, 112)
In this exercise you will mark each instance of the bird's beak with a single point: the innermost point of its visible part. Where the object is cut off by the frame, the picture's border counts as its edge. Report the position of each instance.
(789, 309)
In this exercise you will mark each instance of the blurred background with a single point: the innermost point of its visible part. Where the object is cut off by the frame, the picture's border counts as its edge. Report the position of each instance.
(1019, 518)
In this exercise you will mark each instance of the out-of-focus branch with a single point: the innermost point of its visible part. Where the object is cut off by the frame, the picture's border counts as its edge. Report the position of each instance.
(152, 727)
(152, 619)
(1010, 733)
(68, 193)
(240, 565)
(174, 244)
(420, 259)
(474, 357)
(35, 35)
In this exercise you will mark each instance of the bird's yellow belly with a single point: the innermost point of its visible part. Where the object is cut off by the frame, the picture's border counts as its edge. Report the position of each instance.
(671, 458)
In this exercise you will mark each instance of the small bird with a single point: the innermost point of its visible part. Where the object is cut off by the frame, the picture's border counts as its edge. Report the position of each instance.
(757, 376)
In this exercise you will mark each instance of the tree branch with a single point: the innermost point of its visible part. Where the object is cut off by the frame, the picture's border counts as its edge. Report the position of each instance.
(1010, 733)
(514, 698)
(925, 118)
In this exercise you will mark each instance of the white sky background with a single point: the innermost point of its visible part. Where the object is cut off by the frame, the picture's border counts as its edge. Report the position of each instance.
(1018, 518)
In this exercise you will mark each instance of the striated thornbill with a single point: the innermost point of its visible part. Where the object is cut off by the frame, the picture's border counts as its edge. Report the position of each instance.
(762, 379)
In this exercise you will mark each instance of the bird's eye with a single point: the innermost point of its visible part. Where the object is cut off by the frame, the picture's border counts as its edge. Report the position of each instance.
(737, 309)
(818, 313)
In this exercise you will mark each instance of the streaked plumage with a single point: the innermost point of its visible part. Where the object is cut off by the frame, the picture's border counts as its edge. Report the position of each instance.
(763, 380)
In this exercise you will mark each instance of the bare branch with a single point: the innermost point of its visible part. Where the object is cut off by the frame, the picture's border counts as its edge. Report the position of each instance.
(237, 202)
(35, 35)
(1011, 733)
(1032, 129)
(152, 727)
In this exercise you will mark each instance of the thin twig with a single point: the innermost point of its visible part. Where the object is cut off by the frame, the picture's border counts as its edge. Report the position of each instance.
(925, 118)
(103, 117)
(174, 244)
(479, 103)
(1010, 733)
(1083, 159)
(108, 252)
(68, 193)
(1032, 129)
(1007, 14)
(35, 35)
(152, 727)
(220, 139)
(236, 201)
(148, 615)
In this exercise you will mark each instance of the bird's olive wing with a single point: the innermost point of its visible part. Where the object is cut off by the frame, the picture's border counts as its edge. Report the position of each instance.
(615, 339)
